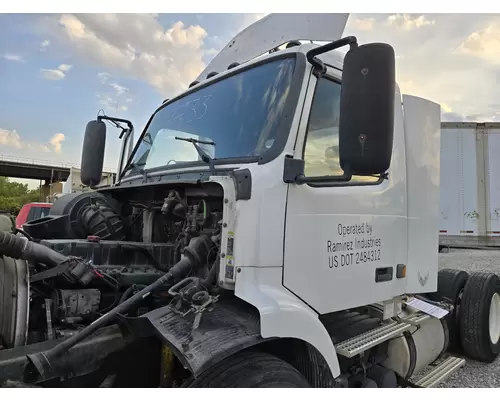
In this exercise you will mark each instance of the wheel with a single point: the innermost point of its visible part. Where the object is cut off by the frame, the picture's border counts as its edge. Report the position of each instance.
(359, 381)
(451, 283)
(250, 370)
(368, 383)
(480, 317)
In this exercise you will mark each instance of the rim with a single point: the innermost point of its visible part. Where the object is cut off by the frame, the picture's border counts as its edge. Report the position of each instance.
(495, 318)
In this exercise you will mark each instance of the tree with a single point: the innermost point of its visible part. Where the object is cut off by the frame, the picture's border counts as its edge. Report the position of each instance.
(13, 195)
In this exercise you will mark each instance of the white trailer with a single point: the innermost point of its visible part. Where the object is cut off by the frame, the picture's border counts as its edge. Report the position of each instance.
(470, 184)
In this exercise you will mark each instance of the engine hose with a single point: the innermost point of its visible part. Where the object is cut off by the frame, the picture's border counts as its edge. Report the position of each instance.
(198, 249)
(16, 247)
(128, 291)
(25, 234)
(208, 281)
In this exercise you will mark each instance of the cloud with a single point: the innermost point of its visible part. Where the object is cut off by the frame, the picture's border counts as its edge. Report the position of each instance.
(134, 45)
(406, 86)
(408, 22)
(44, 45)
(365, 24)
(457, 117)
(12, 139)
(55, 74)
(211, 52)
(118, 88)
(103, 77)
(114, 95)
(451, 116)
(52, 74)
(484, 44)
(64, 67)
(13, 57)
(109, 103)
(432, 67)
(56, 141)
(446, 108)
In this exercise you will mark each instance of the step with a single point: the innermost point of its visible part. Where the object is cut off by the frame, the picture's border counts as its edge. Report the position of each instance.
(358, 344)
(441, 371)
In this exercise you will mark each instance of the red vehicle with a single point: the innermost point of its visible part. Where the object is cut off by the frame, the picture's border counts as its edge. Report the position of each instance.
(32, 211)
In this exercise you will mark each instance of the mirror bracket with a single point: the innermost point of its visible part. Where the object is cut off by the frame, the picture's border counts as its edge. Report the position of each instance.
(293, 172)
(319, 66)
(126, 135)
(115, 121)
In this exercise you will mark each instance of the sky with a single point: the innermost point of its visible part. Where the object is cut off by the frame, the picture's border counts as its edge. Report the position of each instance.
(58, 70)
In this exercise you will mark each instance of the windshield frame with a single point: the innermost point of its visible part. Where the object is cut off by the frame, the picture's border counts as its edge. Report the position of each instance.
(282, 131)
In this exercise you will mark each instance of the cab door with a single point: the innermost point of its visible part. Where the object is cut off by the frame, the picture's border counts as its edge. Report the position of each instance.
(343, 242)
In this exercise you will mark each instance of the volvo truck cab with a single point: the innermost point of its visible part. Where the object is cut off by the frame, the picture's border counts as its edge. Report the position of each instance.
(274, 226)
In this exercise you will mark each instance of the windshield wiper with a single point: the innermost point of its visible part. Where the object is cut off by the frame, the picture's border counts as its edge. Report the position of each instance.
(204, 156)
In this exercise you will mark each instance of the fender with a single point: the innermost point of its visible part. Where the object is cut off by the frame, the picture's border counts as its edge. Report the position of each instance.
(283, 315)
(262, 312)
(230, 327)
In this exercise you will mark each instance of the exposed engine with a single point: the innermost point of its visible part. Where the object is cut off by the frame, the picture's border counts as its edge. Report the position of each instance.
(96, 255)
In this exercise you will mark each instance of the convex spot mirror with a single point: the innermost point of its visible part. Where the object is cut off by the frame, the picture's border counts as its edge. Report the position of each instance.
(366, 123)
(94, 143)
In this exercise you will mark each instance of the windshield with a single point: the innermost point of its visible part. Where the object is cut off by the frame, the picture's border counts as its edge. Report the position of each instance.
(239, 114)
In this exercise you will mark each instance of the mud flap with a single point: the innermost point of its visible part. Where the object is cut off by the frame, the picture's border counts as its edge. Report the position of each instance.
(229, 328)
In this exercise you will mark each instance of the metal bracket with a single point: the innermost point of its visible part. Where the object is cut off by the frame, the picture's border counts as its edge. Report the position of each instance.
(184, 304)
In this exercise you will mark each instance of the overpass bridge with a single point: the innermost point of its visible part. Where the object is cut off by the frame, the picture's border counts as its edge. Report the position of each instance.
(42, 170)
(49, 173)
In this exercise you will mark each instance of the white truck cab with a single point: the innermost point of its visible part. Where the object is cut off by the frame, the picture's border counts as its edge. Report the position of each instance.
(306, 187)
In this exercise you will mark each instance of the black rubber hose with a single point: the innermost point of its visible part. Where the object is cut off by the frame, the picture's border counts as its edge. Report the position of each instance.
(208, 281)
(17, 247)
(25, 234)
(197, 250)
(128, 291)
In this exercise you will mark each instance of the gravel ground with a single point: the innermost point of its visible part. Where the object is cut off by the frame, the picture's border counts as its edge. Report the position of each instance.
(473, 374)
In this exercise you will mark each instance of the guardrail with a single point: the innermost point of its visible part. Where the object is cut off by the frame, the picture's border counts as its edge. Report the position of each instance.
(56, 164)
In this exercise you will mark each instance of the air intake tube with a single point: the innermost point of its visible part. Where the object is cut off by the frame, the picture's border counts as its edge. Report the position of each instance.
(17, 247)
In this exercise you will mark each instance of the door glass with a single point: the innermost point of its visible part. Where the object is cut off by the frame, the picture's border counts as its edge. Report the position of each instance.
(31, 214)
(37, 212)
(321, 153)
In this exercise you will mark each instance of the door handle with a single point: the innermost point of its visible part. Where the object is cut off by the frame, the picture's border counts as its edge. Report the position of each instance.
(384, 274)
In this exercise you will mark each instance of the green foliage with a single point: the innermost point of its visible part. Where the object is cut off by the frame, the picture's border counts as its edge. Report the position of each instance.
(14, 195)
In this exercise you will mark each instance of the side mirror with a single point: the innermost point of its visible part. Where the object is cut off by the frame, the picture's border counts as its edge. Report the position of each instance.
(94, 144)
(366, 124)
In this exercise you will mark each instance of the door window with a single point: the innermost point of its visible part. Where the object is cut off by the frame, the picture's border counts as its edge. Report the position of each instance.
(37, 212)
(321, 150)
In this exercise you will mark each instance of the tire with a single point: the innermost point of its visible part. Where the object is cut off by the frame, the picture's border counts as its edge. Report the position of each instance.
(250, 370)
(451, 283)
(476, 318)
(359, 381)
